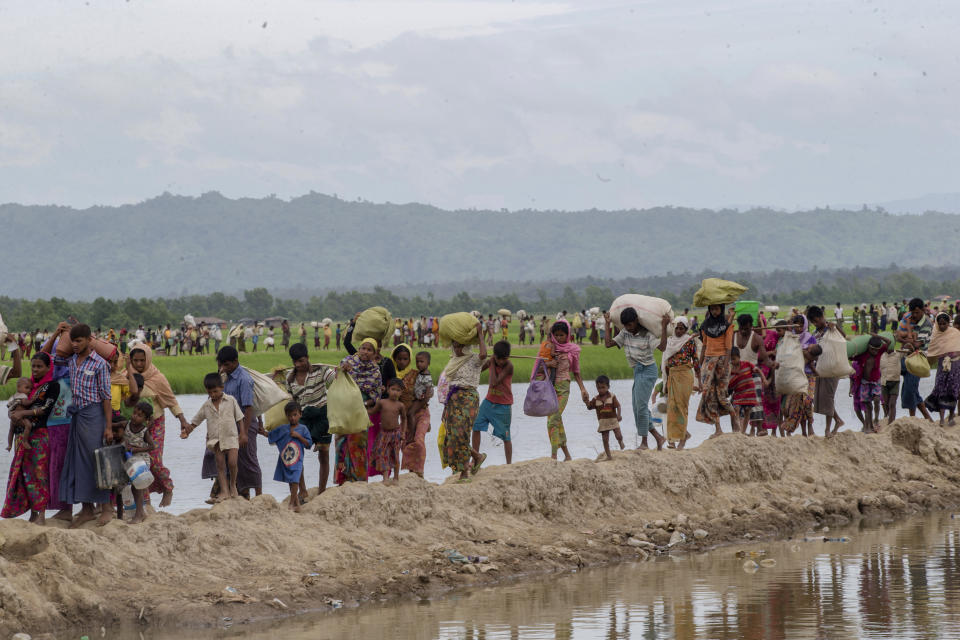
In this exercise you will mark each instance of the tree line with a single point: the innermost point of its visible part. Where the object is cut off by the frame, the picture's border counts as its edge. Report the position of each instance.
(259, 303)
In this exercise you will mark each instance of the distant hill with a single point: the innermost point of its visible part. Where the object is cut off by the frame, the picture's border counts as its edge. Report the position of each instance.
(173, 245)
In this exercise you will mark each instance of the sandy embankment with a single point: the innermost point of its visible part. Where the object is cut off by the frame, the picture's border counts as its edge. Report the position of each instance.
(370, 541)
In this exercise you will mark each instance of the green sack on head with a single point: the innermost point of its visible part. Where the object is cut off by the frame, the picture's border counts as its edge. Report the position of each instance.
(917, 364)
(376, 323)
(345, 410)
(459, 327)
(717, 291)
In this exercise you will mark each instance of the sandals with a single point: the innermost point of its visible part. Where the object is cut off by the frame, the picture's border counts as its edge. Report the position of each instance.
(476, 468)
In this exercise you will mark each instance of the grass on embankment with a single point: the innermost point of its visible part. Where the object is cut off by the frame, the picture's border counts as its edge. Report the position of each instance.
(185, 373)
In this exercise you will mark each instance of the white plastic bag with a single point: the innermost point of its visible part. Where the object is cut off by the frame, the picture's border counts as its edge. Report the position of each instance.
(649, 310)
(833, 362)
(790, 378)
(267, 394)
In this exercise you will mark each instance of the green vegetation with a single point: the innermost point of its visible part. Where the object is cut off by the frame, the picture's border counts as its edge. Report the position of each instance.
(180, 245)
(185, 373)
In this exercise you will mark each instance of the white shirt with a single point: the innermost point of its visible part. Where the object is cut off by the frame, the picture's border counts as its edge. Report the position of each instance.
(838, 313)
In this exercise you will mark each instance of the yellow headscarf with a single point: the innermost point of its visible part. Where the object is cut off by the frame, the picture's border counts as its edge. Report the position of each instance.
(401, 373)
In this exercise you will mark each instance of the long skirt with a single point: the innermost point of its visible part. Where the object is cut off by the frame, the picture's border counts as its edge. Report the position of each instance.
(798, 406)
(714, 381)
(459, 416)
(161, 475)
(373, 434)
(679, 389)
(351, 459)
(414, 444)
(910, 397)
(27, 488)
(771, 407)
(946, 386)
(248, 465)
(555, 430)
(78, 479)
(57, 437)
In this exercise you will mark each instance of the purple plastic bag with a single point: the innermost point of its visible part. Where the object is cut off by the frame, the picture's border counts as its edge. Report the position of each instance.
(541, 399)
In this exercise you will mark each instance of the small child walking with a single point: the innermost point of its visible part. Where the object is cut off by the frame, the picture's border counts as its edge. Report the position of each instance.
(393, 423)
(496, 408)
(608, 414)
(137, 440)
(743, 387)
(291, 440)
(224, 418)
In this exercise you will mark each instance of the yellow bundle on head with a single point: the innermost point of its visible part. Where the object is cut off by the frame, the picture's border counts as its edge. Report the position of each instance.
(459, 327)
(376, 323)
(717, 291)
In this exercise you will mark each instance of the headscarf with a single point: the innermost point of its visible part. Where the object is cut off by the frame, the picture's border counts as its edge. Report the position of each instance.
(157, 383)
(365, 374)
(570, 348)
(943, 342)
(715, 327)
(770, 340)
(806, 339)
(402, 373)
(47, 377)
(454, 373)
(674, 344)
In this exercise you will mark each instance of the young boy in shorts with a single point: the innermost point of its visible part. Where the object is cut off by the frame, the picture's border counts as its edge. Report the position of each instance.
(496, 407)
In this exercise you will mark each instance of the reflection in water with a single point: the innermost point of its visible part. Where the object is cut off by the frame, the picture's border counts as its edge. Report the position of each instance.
(888, 582)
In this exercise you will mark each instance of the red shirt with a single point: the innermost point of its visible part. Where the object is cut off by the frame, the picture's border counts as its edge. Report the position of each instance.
(502, 393)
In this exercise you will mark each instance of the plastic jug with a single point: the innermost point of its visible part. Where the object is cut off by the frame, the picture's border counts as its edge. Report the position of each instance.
(127, 495)
(139, 471)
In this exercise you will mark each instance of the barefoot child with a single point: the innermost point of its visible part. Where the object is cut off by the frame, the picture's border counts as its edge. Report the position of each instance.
(291, 440)
(18, 401)
(224, 421)
(393, 422)
(137, 440)
(890, 383)
(562, 358)
(743, 389)
(608, 414)
(496, 407)
(421, 386)
(870, 393)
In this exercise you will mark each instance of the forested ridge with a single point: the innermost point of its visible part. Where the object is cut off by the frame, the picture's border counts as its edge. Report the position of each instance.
(176, 245)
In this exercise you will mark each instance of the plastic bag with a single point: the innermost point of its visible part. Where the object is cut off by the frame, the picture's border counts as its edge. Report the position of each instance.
(3, 331)
(917, 364)
(790, 379)
(858, 344)
(376, 323)
(345, 410)
(267, 395)
(459, 327)
(833, 361)
(441, 436)
(541, 399)
(650, 311)
(717, 291)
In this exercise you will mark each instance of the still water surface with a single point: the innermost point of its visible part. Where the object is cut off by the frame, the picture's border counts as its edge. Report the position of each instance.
(896, 581)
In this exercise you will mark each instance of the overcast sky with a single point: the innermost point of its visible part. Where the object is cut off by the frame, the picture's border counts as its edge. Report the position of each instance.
(481, 104)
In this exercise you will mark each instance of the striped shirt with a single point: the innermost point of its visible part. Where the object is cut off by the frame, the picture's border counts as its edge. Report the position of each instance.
(313, 391)
(89, 380)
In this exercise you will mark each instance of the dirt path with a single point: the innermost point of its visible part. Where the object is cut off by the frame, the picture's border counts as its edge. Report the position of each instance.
(368, 541)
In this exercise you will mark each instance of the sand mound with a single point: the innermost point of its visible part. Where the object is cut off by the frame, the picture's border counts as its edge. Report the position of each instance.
(369, 541)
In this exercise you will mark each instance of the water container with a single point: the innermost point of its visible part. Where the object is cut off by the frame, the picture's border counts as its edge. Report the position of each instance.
(749, 307)
(127, 495)
(139, 471)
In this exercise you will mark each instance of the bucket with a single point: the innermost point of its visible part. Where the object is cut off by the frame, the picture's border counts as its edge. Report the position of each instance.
(749, 307)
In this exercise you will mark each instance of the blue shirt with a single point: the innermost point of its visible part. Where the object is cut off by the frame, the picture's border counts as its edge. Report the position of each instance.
(239, 384)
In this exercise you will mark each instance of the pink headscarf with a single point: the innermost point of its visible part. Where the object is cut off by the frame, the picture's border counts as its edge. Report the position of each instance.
(572, 349)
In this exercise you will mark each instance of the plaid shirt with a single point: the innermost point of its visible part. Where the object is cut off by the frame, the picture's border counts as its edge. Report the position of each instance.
(89, 380)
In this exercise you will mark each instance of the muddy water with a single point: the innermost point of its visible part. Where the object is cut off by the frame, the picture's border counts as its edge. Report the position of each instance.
(896, 581)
